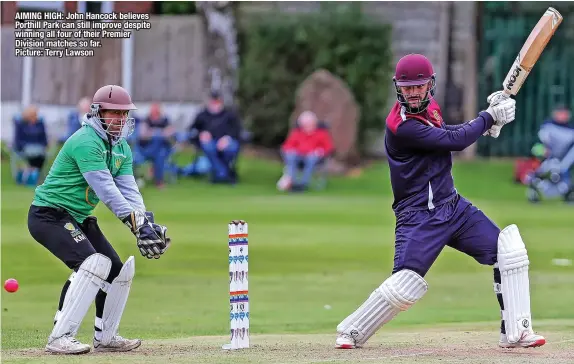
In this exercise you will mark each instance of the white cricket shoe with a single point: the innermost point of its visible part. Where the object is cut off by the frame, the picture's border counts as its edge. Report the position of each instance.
(66, 345)
(346, 341)
(118, 343)
(284, 183)
(528, 340)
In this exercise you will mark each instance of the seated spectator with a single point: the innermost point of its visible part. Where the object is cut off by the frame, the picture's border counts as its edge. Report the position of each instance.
(154, 141)
(30, 144)
(306, 144)
(133, 137)
(74, 121)
(561, 117)
(557, 137)
(552, 176)
(219, 131)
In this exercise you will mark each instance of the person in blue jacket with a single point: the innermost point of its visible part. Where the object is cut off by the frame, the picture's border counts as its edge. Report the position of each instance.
(30, 144)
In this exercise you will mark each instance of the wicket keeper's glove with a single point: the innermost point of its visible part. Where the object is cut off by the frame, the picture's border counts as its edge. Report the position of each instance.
(160, 230)
(151, 238)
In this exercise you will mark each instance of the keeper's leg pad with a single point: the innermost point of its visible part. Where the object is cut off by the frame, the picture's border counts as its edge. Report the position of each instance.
(515, 286)
(397, 293)
(84, 285)
(117, 296)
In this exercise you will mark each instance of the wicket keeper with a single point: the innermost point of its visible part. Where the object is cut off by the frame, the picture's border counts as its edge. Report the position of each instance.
(431, 214)
(94, 164)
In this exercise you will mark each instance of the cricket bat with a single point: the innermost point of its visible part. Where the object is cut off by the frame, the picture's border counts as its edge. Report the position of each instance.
(528, 56)
(531, 51)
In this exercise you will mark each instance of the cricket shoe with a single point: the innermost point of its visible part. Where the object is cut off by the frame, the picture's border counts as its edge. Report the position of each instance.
(66, 345)
(528, 340)
(346, 341)
(284, 183)
(117, 344)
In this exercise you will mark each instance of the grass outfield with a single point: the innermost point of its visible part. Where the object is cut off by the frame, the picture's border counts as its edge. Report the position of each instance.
(314, 259)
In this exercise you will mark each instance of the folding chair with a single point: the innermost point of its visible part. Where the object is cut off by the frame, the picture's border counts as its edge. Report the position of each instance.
(19, 161)
(192, 137)
(142, 165)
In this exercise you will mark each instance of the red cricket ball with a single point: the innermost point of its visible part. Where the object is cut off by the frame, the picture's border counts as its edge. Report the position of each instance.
(11, 285)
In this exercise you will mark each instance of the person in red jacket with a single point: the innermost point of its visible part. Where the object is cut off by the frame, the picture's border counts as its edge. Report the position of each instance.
(307, 144)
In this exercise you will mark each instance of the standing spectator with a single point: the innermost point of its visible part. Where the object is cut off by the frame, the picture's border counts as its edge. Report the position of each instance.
(306, 144)
(30, 144)
(154, 141)
(218, 129)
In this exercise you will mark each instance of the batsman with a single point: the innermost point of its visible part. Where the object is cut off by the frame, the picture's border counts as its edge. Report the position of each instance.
(431, 214)
(94, 164)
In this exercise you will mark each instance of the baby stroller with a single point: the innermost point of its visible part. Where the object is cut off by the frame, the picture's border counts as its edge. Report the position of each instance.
(553, 178)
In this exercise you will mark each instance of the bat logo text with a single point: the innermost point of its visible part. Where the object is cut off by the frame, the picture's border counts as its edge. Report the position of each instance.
(513, 77)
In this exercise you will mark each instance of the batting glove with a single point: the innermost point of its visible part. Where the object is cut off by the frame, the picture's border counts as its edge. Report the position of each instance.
(496, 97)
(503, 111)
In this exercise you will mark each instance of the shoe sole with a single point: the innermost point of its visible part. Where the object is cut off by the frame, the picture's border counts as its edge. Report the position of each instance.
(59, 352)
(117, 350)
(535, 344)
(345, 346)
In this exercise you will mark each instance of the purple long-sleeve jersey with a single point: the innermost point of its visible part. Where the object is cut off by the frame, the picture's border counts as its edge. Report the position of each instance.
(419, 153)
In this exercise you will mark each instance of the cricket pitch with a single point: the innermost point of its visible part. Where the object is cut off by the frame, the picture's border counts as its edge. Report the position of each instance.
(441, 345)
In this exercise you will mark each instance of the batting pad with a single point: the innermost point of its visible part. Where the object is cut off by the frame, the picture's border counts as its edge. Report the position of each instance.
(84, 285)
(117, 296)
(397, 293)
(513, 265)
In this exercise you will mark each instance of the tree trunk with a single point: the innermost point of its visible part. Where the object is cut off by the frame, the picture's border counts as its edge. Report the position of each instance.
(222, 59)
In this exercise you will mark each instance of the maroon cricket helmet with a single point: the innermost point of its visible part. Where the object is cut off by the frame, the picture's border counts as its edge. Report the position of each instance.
(414, 70)
(113, 97)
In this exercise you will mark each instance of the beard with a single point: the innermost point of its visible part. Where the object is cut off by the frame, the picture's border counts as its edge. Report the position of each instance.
(414, 101)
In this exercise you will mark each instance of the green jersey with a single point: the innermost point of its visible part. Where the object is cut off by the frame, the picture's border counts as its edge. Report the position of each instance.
(85, 151)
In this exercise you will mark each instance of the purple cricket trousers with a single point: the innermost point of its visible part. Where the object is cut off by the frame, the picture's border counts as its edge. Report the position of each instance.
(421, 235)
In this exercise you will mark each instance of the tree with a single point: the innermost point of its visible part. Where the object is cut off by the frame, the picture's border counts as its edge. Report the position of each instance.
(222, 58)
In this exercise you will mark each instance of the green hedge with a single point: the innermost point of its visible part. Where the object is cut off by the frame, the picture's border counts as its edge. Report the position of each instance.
(4, 151)
(279, 51)
(175, 7)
